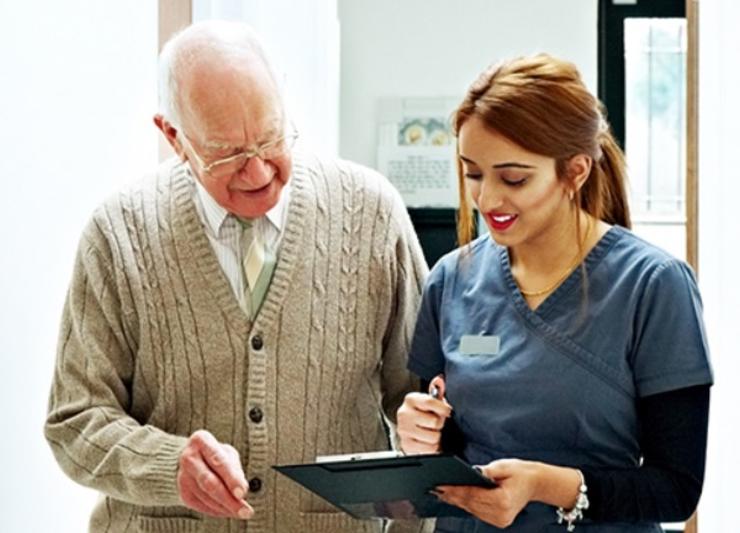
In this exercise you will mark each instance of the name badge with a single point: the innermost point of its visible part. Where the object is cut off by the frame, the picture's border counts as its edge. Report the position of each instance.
(479, 344)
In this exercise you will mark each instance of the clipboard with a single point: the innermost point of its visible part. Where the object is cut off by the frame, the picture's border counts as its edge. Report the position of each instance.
(396, 487)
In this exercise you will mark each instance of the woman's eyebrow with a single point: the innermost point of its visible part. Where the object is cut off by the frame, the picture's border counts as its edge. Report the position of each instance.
(512, 164)
(507, 164)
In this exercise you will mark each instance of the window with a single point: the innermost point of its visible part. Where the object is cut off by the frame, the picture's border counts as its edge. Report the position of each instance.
(655, 118)
(642, 81)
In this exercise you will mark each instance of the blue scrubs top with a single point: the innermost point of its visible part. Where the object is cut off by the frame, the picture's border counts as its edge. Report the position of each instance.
(559, 384)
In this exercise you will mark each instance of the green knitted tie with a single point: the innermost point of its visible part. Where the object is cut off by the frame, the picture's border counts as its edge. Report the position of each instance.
(258, 264)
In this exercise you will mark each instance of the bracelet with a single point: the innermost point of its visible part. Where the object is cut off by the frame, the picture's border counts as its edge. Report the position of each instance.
(569, 517)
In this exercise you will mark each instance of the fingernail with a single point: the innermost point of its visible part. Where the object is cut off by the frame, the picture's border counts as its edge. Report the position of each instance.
(478, 469)
(245, 513)
(238, 493)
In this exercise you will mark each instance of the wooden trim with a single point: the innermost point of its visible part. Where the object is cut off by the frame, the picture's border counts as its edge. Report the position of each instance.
(174, 15)
(692, 138)
(692, 158)
(691, 525)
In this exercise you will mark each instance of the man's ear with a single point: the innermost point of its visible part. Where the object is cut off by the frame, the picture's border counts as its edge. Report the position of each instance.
(579, 169)
(170, 133)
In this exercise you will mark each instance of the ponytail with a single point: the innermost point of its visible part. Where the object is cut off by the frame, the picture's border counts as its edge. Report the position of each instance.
(604, 195)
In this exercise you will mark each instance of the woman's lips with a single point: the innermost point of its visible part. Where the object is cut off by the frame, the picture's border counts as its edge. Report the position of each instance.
(501, 222)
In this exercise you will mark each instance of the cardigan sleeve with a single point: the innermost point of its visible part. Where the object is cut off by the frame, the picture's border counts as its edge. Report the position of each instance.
(94, 439)
(406, 272)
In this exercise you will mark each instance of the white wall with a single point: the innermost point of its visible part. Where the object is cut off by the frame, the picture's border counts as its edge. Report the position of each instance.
(76, 100)
(393, 48)
(719, 253)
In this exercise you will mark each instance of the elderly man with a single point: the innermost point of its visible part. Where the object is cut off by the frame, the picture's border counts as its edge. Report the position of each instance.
(245, 306)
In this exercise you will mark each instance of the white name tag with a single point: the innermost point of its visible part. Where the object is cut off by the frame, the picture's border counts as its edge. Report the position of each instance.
(479, 344)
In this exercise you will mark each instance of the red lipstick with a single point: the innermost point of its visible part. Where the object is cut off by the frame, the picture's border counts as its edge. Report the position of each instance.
(499, 221)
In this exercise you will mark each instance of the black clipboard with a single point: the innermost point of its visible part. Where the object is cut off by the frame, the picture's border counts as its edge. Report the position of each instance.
(396, 487)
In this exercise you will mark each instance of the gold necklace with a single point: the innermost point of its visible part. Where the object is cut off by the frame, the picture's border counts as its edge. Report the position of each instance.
(567, 272)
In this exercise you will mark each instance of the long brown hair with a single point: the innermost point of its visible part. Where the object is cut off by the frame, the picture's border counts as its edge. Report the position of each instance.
(541, 104)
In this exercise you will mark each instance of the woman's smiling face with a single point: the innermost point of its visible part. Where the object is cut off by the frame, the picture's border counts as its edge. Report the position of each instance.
(517, 192)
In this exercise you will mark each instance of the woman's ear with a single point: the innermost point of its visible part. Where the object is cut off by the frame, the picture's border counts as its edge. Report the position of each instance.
(579, 169)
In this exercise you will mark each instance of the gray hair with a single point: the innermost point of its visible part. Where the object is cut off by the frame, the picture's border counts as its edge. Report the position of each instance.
(229, 39)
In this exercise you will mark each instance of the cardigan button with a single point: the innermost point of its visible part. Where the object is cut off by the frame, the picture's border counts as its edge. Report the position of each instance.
(255, 484)
(257, 342)
(255, 415)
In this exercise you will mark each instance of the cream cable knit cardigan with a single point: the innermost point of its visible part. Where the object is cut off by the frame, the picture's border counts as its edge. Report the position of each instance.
(153, 346)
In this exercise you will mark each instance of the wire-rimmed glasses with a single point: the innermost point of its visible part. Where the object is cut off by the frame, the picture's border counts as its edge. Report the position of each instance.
(228, 166)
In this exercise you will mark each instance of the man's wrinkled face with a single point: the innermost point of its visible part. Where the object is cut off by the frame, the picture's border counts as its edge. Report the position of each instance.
(229, 113)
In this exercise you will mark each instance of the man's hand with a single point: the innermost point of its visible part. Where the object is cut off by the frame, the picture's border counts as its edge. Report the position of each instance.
(210, 478)
(421, 417)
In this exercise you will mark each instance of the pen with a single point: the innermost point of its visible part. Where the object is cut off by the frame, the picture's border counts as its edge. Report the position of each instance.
(434, 392)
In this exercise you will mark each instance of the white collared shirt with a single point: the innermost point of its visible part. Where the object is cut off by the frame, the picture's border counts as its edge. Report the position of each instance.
(224, 232)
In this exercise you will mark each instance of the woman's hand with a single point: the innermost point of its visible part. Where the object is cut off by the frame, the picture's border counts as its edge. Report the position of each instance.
(516, 485)
(421, 417)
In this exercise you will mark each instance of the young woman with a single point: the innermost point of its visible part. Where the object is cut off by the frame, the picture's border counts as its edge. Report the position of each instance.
(568, 354)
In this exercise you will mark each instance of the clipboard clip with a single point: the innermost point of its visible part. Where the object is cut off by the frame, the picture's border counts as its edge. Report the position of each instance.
(385, 454)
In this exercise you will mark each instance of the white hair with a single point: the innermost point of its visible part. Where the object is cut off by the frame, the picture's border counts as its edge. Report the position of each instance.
(229, 39)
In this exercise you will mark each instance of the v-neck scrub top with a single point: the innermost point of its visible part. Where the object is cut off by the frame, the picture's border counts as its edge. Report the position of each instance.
(559, 384)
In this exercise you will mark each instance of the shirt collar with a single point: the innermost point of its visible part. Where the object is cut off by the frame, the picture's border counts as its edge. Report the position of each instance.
(215, 215)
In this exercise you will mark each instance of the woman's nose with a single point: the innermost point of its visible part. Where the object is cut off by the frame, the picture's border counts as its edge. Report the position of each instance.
(490, 197)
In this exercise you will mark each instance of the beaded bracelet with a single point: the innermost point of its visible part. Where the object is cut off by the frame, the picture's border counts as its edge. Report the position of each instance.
(569, 517)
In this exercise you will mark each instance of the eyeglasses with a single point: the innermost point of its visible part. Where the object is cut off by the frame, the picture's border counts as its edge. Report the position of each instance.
(228, 166)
